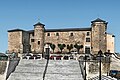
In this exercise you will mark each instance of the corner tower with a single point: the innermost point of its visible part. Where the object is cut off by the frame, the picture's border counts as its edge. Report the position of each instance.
(98, 36)
(39, 37)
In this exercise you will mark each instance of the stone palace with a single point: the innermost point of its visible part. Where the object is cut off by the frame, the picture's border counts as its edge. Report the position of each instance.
(93, 38)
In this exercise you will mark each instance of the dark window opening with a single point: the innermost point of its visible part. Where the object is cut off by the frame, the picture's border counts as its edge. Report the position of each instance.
(57, 34)
(32, 40)
(87, 50)
(88, 33)
(32, 34)
(71, 34)
(87, 39)
(38, 42)
(48, 34)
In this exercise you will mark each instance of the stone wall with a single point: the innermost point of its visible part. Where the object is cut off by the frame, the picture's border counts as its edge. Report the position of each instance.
(12, 65)
(38, 44)
(110, 43)
(14, 41)
(93, 68)
(3, 69)
(18, 41)
(25, 42)
(3, 65)
(71, 37)
(98, 37)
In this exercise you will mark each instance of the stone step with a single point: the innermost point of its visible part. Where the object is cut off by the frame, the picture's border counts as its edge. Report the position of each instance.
(63, 63)
(63, 70)
(29, 69)
(25, 76)
(64, 76)
(56, 70)
(32, 62)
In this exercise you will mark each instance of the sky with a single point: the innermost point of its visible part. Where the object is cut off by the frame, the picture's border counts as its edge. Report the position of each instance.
(56, 14)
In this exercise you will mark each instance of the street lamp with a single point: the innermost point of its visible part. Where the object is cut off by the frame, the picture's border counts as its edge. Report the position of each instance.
(47, 52)
(100, 55)
(85, 58)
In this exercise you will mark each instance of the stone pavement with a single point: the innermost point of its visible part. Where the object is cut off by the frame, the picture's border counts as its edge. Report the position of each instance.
(56, 70)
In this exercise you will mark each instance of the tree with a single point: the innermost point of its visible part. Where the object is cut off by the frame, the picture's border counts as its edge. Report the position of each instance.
(52, 47)
(61, 46)
(69, 47)
(78, 47)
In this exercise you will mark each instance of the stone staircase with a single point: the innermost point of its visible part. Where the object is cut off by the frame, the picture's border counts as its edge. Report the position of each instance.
(29, 70)
(63, 70)
(56, 70)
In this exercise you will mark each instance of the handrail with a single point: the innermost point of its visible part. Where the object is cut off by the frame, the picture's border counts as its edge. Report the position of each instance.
(116, 56)
(82, 68)
(45, 69)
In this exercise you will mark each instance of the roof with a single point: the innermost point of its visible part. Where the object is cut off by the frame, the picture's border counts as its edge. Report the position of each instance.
(64, 30)
(98, 20)
(2, 54)
(67, 29)
(31, 31)
(15, 30)
(39, 24)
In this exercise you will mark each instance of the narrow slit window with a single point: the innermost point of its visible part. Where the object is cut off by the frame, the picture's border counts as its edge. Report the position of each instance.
(48, 34)
(71, 34)
(38, 42)
(57, 34)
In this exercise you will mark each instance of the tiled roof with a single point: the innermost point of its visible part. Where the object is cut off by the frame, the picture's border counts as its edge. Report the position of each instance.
(67, 29)
(31, 31)
(64, 30)
(2, 54)
(98, 20)
(39, 24)
(15, 30)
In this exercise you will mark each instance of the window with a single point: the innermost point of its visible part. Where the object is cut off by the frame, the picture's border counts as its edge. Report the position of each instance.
(48, 34)
(32, 34)
(38, 42)
(71, 34)
(32, 40)
(57, 34)
(87, 39)
(88, 33)
(87, 50)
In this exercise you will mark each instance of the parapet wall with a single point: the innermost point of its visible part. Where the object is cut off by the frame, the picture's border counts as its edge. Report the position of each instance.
(3, 69)
(12, 65)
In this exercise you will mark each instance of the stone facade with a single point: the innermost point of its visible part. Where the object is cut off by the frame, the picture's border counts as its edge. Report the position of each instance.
(110, 43)
(18, 41)
(93, 38)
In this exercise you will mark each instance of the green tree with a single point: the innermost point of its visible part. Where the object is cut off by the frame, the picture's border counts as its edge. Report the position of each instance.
(61, 46)
(52, 47)
(78, 47)
(69, 47)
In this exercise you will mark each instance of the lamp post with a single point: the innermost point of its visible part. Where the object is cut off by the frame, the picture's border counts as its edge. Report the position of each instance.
(47, 52)
(85, 67)
(100, 55)
(85, 58)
